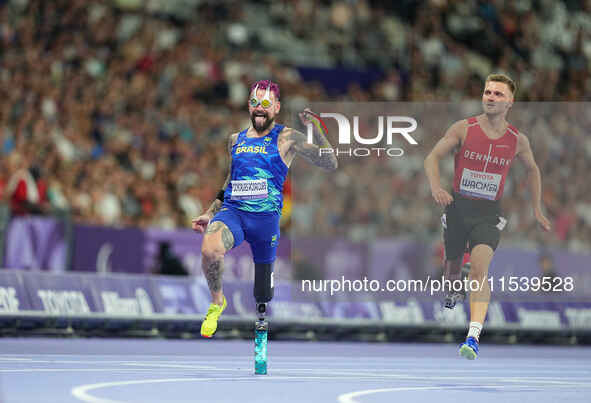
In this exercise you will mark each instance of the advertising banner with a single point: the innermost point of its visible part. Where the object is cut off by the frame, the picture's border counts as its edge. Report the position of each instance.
(35, 243)
(13, 294)
(105, 249)
(65, 294)
(141, 296)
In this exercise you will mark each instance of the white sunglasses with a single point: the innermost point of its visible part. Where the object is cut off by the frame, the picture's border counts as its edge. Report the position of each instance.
(265, 102)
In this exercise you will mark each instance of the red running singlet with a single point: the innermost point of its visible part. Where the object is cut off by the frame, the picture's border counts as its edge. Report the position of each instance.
(482, 163)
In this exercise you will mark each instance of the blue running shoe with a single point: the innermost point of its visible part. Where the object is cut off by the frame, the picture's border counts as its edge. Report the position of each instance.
(469, 348)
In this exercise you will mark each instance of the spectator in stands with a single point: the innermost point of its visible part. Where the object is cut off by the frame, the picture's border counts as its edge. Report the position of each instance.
(26, 191)
(129, 109)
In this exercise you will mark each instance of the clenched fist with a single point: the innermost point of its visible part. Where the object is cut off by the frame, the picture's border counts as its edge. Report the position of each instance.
(199, 224)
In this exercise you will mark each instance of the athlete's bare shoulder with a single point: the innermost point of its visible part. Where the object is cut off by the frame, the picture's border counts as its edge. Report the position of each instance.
(290, 136)
(522, 142)
(452, 139)
(232, 140)
(285, 132)
(457, 132)
(524, 151)
(461, 124)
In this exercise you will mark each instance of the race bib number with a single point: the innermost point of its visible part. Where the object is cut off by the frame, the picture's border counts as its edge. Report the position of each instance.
(483, 185)
(249, 189)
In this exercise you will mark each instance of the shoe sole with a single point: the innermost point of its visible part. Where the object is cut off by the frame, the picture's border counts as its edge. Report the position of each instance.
(468, 353)
(210, 336)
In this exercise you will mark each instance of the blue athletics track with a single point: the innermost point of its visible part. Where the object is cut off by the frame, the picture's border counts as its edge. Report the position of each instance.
(146, 371)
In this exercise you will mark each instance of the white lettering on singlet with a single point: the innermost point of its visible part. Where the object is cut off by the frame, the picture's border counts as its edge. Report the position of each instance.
(472, 155)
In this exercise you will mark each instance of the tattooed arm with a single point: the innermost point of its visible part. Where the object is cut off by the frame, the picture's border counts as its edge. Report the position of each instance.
(200, 223)
(320, 153)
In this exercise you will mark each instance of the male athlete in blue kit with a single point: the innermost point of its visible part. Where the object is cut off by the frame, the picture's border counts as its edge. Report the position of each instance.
(249, 205)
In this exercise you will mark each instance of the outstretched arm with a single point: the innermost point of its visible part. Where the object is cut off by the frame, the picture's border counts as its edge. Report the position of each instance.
(200, 223)
(451, 139)
(320, 153)
(534, 179)
(217, 204)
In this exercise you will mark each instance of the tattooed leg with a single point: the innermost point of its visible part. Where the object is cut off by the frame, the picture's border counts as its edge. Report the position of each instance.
(227, 238)
(217, 241)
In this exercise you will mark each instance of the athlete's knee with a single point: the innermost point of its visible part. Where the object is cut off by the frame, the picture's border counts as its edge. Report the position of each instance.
(263, 282)
(212, 250)
(478, 271)
(480, 260)
(483, 251)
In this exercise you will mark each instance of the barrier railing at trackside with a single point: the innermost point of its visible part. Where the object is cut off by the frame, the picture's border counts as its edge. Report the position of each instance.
(162, 305)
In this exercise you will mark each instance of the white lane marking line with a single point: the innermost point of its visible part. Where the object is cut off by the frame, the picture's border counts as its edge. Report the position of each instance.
(78, 369)
(331, 371)
(476, 370)
(571, 382)
(179, 366)
(279, 360)
(81, 392)
(555, 369)
(188, 365)
(492, 363)
(131, 357)
(350, 397)
(383, 374)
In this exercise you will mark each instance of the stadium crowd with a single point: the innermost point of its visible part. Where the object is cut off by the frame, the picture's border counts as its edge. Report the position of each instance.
(118, 111)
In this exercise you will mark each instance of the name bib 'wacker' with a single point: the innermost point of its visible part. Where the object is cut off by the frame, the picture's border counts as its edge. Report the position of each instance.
(249, 189)
(480, 184)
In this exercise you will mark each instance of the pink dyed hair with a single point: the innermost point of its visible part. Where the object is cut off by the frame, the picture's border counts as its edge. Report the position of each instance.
(263, 84)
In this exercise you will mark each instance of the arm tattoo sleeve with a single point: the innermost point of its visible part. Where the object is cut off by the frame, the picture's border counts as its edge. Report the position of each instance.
(321, 154)
(217, 205)
(214, 207)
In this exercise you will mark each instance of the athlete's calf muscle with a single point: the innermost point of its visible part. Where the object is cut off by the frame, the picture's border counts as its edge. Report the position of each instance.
(212, 254)
(213, 274)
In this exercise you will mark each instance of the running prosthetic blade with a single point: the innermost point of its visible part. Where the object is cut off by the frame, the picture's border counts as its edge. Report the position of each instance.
(261, 331)
(453, 297)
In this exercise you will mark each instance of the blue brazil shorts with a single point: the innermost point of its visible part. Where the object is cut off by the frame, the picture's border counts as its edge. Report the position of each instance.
(259, 229)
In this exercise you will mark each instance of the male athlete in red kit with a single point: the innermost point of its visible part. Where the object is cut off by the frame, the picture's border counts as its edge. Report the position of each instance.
(485, 148)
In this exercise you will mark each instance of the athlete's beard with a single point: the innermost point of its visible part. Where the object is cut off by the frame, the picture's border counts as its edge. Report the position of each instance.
(261, 128)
